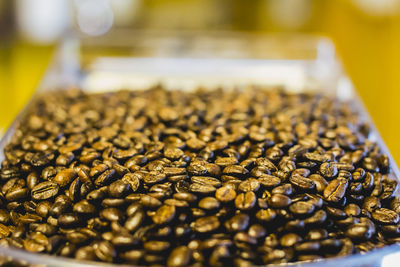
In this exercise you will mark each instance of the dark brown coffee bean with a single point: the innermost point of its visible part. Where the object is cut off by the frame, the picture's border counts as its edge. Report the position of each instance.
(269, 181)
(279, 201)
(266, 215)
(245, 201)
(202, 188)
(290, 239)
(105, 251)
(164, 214)
(45, 190)
(179, 257)
(65, 177)
(301, 208)
(105, 178)
(206, 224)
(336, 190)
(185, 197)
(209, 203)
(358, 232)
(385, 216)
(301, 182)
(249, 185)
(225, 194)
(285, 189)
(84, 207)
(111, 214)
(239, 222)
(68, 220)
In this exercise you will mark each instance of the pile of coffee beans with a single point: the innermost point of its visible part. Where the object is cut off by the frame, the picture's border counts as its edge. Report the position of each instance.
(208, 177)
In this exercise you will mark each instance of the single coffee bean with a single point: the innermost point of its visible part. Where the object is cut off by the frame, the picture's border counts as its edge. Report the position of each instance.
(164, 214)
(45, 190)
(179, 257)
(68, 220)
(65, 177)
(225, 194)
(301, 208)
(245, 201)
(105, 251)
(206, 224)
(336, 190)
(239, 222)
(385, 216)
(301, 182)
(279, 201)
(209, 203)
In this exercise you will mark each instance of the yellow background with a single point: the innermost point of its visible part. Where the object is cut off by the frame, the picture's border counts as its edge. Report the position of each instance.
(368, 46)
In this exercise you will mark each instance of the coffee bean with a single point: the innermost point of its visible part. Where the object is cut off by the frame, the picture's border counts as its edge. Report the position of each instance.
(266, 215)
(186, 197)
(111, 214)
(385, 216)
(105, 251)
(301, 208)
(209, 203)
(164, 214)
(245, 201)
(269, 181)
(68, 220)
(206, 224)
(202, 188)
(65, 177)
(301, 182)
(279, 201)
(358, 232)
(249, 185)
(105, 178)
(45, 190)
(179, 257)
(285, 189)
(336, 190)
(225, 194)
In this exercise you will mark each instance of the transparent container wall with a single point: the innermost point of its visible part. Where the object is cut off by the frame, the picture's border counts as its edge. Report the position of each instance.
(187, 60)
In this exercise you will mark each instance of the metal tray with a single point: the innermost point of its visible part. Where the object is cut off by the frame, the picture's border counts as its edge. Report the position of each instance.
(186, 60)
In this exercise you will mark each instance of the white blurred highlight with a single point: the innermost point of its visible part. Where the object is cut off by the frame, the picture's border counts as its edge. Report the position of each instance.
(94, 17)
(378, 7)
(43, 21)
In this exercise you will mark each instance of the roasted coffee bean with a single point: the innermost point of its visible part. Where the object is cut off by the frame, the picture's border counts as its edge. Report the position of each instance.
(359, 232)
(290, 239)
(385, 216)
(179, 257)
(371, 203)
(206, 224)
(225, 194)
(285, 189)
(105, 178)
(68, 220)
(245, 201)
(111, 214)
(301, 182)
(45, 190)
(336, 190)
(164, 214)
(239, 222)
(279, 201)
(202, 188)
(301, 208)
(209, 203)
(65, 177)
(105, 251)
(266, 215)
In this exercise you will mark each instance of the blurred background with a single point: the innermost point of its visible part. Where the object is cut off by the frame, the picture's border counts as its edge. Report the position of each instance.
(366, 34)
